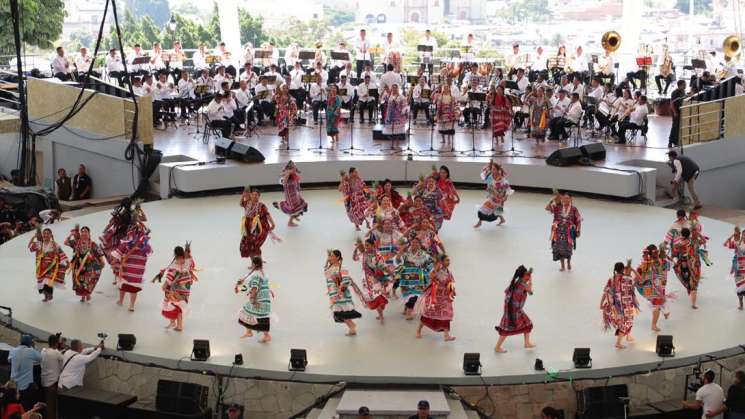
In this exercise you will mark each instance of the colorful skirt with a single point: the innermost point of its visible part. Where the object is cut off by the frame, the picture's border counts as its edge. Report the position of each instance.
(500, 122)
(515, 324)
(435, 324)
(259, 324)
(294, 204)
(688, 275)
(251, 244)
(170, 310)
(131, 272)
(356, 206)
(561, 245)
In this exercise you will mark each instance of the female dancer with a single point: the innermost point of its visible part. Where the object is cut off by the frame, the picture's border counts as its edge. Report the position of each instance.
(87, 262)
(254, 315)
(428, 237)
(333, 111)
(257, 223)
(132, 255)
(386, 189)
(51, 263)
(446, 186)
(565, 229)
(414, 274)
(500, 108)
(681, 222)
(498, 189)
(447, 114)
(377, 276)
(619, 303)
(687, 263)
(384, 211)
(652, 281)
(180, 275)
(388, 240)
(294, 205)
(396, 114)
(356, 198)
(436, 305)
(514, 320)
(286, 112)
(539, 115)
(736, 242)
(432, 197)
(338, 283)
(114, 231)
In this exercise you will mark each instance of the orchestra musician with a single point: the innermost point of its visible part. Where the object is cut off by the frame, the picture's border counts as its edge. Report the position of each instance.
(389, 48)
(426, 56)
(538, 66)
(470, 51)
(273, 71)
(248, 54)
(521, 80)
(318, 95)
(345, 91)
(292, 55)
(579, 66)
(163, 93)
(567, 115)
(137, 87)
(61, 66)
(667, 71)
(633, 118)
(524, 112)
(365, 101)
(605, 106)
(321, 72)
(578, 88)
(559, 107)
(83, 62)
(338, 65)
(265, 95)
(248, 75)
(206, 84)
(243, 98)
(156, 60)
(557, 64)
(199, 59)
(729, 69)
(320, 56)
(421, 98)
(606, 66)
(137, 69)
(296, 85)
(563, 85)
(363, 57)
(474, 108)
(623, 102)
(221, 76)
(226, 58)
(594, 97)
(642, 72)
(186, 94)
(390, 77)
(348, 72)
(114, 66)
(221, 112)
(512, 61)
(176, 60)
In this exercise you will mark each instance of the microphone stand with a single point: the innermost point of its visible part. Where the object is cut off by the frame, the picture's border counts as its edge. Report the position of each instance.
(431, 139)
(320, 148)
(408, 138)
(491, 149)
(350, 150)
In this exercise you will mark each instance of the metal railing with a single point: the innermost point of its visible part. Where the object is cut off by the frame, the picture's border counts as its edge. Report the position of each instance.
(709, 121)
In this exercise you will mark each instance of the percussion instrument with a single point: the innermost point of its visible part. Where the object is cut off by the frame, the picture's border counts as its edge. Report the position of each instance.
(604, 108)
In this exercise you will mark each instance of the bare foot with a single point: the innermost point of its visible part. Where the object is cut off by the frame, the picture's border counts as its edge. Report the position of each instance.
(248, 334)
(265, 339)
(449, 338)
(656, 329)
(351, 333)
(501, 221)
(477, 225)
(739, 308)
(418, 335)
(667, 315)
(499, 350)
(170, 325)
(695, 307)
(178, 329)
(529, 345)
(131, 309)
(291, 224)
(409, 317)
(120, 302)
(630, 339)
(619, 346)
(561, 269)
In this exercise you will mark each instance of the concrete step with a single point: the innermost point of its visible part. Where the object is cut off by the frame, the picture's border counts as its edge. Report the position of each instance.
(329, 409)
(392, 402)
(313, 414)
(471, 414)
(456, 410)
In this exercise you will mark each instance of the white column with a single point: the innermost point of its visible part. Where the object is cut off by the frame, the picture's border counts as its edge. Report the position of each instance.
(630, 30)
(230, 30)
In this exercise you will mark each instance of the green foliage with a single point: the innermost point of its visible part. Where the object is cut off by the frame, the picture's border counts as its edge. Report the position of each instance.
(78, 39)
(337, 17)
(157, 10)
(41, 24)
(521, 10)
(304, 33)
(252, 28)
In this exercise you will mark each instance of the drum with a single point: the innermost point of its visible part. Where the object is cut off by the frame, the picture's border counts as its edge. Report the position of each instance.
(604, 108)
(663, 107)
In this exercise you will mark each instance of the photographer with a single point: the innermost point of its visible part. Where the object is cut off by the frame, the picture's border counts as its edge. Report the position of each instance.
(52, 361)
(75, 361)
(22, 360)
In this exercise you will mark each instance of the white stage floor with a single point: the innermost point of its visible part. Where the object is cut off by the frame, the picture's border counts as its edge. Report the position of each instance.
(564, 308)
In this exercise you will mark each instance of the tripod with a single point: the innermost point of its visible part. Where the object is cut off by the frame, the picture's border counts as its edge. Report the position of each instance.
(473, 151)
(431, 148)
(320, 148)
(350, 150)
(287, 148)
(512, 145)
(408, 139)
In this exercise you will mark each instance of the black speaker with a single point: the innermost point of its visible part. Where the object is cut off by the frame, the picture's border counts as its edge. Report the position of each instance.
(471, 363)
(126, 342)
(222, 146)
(564, 157)
(593, 151)
(378, 132)
(201, 350)
(184, 398)
(245, 153)
(602, 402)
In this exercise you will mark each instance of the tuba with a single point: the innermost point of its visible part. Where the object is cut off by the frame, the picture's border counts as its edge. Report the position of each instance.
(731, 46)
(611, 41)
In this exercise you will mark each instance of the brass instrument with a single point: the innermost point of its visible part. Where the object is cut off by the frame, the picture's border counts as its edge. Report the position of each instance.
(731, 47)
(611, 41)
(666, 68)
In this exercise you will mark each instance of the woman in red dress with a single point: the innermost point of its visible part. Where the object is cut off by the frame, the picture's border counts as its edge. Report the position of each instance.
(436, 304)
(51, 263)
(385, 189)
(514, 320)
(257, 224)
(501, 114)
(450, 194)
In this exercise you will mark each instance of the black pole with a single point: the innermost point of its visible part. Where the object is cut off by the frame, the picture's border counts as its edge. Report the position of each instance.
(26, 177)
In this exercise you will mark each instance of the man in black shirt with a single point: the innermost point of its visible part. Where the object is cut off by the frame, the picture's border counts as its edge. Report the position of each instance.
(64, 187)
(676, 101)
(422, 411)
(82, 185)
(735, 402)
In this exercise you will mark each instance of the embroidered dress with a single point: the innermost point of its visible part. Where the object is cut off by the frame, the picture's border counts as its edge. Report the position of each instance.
(393, 195)
(619, 305)
(333, 107)
(539, 118)
(51, 265)
(294, 204)
(429, 239)
(177, 288)
(285, 109)
(110, 241)
(447, 115)
(414, 275)
(687, 263)
(255, 314)
(738, 264)
(355, 199)
(396, 116)
(387, 245)
(653, 281)
(497, 193)
(432, 201)
(86, 265)
(436, 304)
(254, 228)
(673, 233)
(338, 285)
(514, 320)
(564, 230)
(450, 196)
(500, 115)
(375, 280)
(386, 214)
(132, 255)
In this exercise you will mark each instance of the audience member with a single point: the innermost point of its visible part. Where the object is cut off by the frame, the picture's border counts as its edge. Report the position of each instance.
(710, 397)
(422, 410)
(734, 405)
(81, 185)
(51, 366)
(75, 361)
(64, 185)
(22, 360)
(363, 413)
(11, 408)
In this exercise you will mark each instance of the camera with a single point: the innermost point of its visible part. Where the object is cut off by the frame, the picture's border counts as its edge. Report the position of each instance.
(102, 336)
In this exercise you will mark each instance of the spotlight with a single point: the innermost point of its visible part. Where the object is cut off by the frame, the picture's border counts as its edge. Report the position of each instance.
(298, 360)
(582, 358)
(126, 342)
(471, 363)
(238, 359)
(201, 351)
(538, 364)
(665, 347)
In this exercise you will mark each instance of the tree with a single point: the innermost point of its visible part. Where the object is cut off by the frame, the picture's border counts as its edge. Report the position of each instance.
(520, 10)
(252, 28)
(41, 23)
(157, 10)
(699, 6)
(305, 34)
(338, 17)
(80, 38)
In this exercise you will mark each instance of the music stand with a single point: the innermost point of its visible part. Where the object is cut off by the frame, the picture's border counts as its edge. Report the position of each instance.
(414, 79)
(350, 150)
(306, 55)
(512, 85)
(338, 56)
(320, 148)
(141, 60)
(698, 64)
(262, 54)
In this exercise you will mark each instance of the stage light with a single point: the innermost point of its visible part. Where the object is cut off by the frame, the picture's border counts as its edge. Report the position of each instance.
(298, 360)
(126, 342)
(201, 350)
(665, 347)
(538, 364)
(582, 358)
(238, 359)
(471, 363)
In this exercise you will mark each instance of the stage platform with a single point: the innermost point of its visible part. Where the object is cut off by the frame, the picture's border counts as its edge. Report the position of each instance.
(564, 307)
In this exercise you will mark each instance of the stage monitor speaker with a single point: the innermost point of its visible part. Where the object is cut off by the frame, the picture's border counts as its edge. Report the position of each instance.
(564, 157)
(183, 398)
(126, 342)
(222, 146)
(378, 132)
(602, 402)
(245, 153)
(593, 151)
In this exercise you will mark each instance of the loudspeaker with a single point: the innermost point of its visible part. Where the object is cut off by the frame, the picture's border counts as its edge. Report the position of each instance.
(245, 153)
(471, 363)
(378, 132)
(126, 342)
(184, 398)
(594, 151)
(222, 146)
(602, 402)
(564, 157)
(201, 350)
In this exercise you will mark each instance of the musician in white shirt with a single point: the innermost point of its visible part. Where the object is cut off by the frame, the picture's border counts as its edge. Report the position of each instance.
(472, 74)
(296, 85)
(365, 101)
(607, 66)
(176, 60)
(249, 76)
(348, 72)
(605, 107)
(156, 60)
(473, 107)
(594, 97)
(390, 78)
(578, 88)
(319, 55)
(220, 77)
(559, 104)
(114, 66)
(339, 65)
(74, 362)
(362, 57)
(389, 47)
(426, 56)
(83, 62)
(137, 87)
(323, 73)
(620, 106)
(538, 66)
(242, 96)
(265, 92)
(567, 115)
(61, 66)
(318, 95)
(199, 59)
(521, 80)
(636, 116)
(226, 58)
(137, 68)
(185, 88)
(219, 112)
(512, 61)
(579, 65)
(163, 107)
(470, 48)
(421, 97)
(292, 55)
(370, 73)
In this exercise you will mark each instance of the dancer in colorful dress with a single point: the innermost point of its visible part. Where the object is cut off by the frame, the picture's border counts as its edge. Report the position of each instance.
(377, 277)
(565, 228)
(498, 189)
(416, 265)
(681, 222)
(539, 109)
(132, 255)
(514, 320)
(500, 108)
(255, 314)
(51, 263)
(180, 276)
(356, 197)
(687, 263)
(256, 225)
(446, 115)
(86, 264)
(294, 205)
(388, 240)
(652, 281)
(386, 189)
(333, 113)
(338, 284)
(697, 231)
(618, 304)
(383, 210)
(396, 115)
(736, 242)
(286, 112)
(115, 230)
(446, 186)
(432, 197)
(424, 230)
(436, 304)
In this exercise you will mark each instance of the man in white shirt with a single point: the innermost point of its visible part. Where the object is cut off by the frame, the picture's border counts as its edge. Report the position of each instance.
(521, 80)
(292, 55)
(559, 108)
(265, 92)
(51, 366)
(248, 75)
(185, 88)
(607, 66)
(345, 91)
(274, 72)
(205, 84)
(75, 361)
(317, 96)
(538, 66)
(578, 88)
(156, 59)
(199, 59)
(61, 66)
(323, 73)
(389, 46)
(709, 398)
(136, 68)
(220, 77)
(579, 64)
(636, 116)
(512, 60)
(365, 101)
(362, 57)
(242, 97)
(426, 56)
(370, 73)
(570, 117)
(222, 114)
(421, 96)
(390, 78)
(348, 72)
(473, 107)
(297, 89)
(594, 97)
(137, 87)
(83, 62)
(114, 66)
(339, 65)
